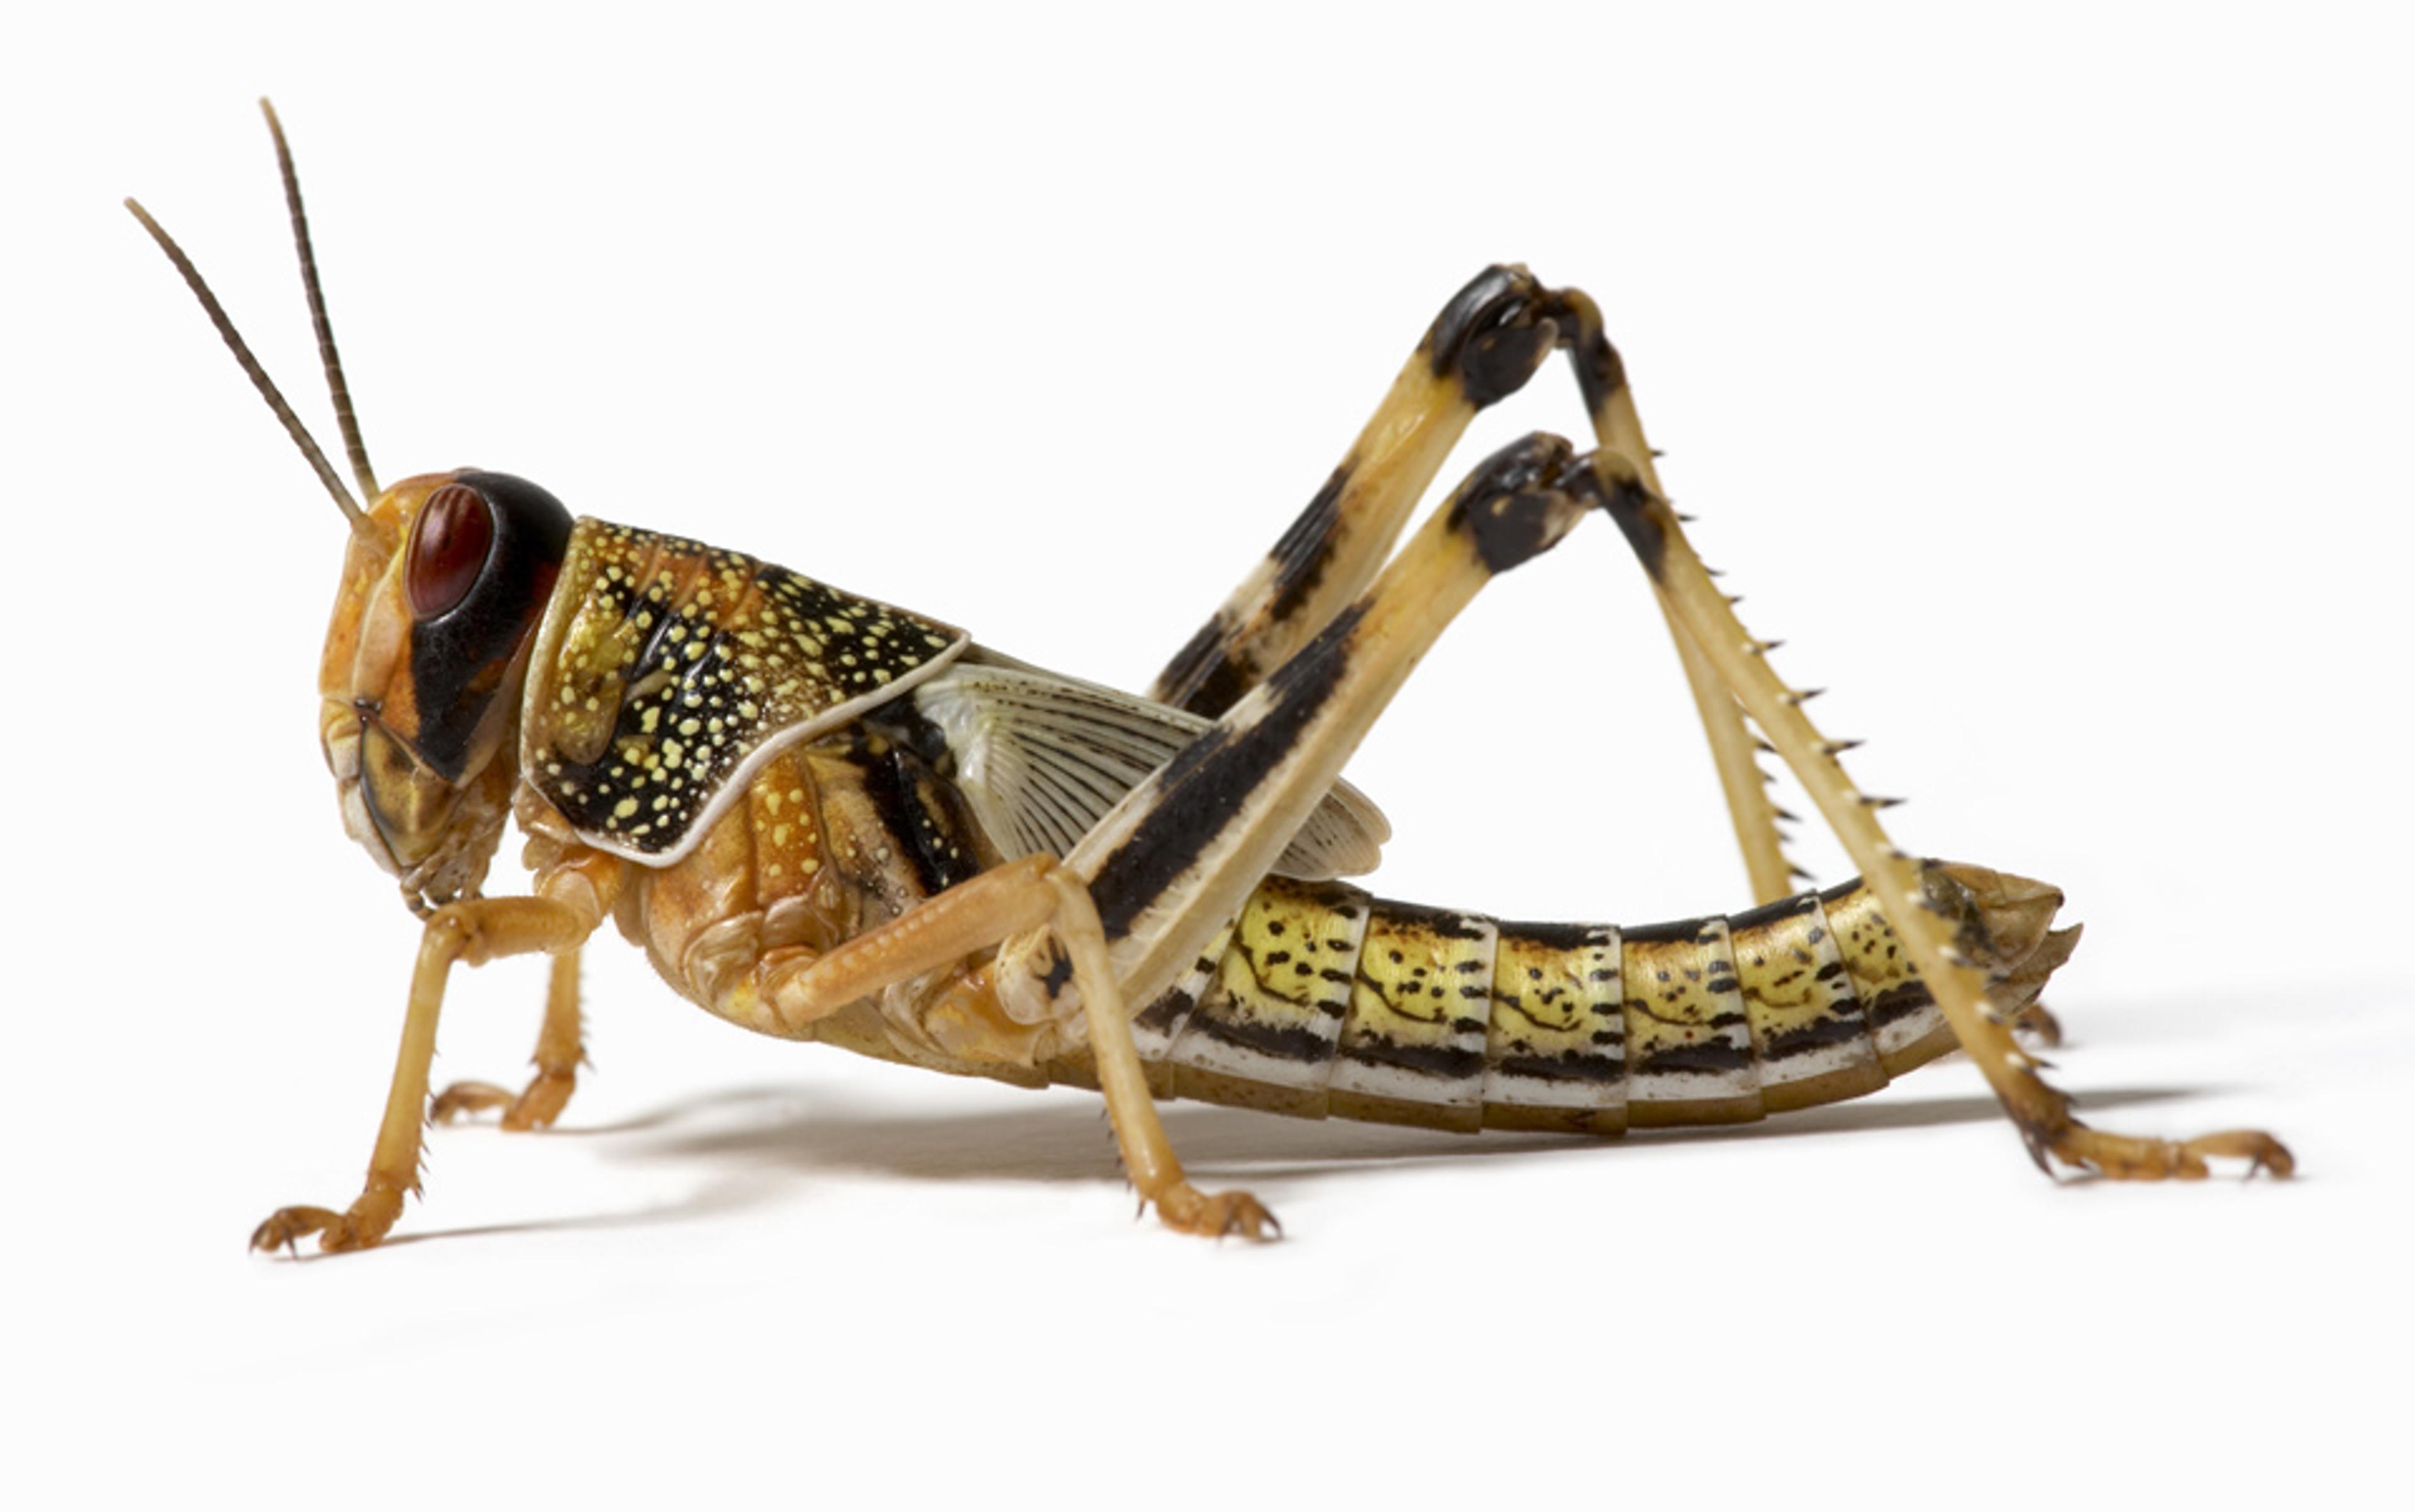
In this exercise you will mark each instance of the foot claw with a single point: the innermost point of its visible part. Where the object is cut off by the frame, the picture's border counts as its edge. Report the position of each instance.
(1189, 1210)
(288, 1226)
(356, 1228)
(467, 1097)
(535, 1107)
(2121, 1157)
(285, 1227)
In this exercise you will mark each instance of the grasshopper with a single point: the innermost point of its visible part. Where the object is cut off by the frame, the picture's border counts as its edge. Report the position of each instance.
(828, 818)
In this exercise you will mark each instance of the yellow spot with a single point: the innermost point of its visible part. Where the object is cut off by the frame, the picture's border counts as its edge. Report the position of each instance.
(624, 808)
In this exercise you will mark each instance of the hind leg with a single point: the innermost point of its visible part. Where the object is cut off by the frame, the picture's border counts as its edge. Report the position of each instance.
(1958, 983)
(1486, 343)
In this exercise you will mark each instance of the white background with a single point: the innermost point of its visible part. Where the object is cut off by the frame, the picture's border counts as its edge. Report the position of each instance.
(2042, 380)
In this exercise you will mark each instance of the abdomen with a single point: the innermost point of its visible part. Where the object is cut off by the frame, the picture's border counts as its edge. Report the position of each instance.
(1325, 1001)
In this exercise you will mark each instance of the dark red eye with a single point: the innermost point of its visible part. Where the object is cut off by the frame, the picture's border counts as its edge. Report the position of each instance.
(449, 546)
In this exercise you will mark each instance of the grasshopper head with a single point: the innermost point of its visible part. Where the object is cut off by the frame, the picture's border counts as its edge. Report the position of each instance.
(444, 579)
(425, 656)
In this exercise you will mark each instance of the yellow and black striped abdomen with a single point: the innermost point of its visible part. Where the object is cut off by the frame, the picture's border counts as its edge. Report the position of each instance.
(1323, 1001)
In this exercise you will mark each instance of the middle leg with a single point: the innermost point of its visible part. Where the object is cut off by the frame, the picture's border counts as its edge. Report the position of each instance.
(560, 1050)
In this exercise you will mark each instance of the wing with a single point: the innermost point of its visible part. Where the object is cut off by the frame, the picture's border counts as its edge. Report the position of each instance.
(1041, 757)
(667, 672)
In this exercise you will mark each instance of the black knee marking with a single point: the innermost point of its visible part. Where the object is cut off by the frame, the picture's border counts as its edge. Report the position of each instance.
(1519, 502)
(1493, 333)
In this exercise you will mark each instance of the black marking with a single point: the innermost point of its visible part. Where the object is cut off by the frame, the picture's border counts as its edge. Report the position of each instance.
(1445, 1062)
(1773, 913)
(1495, 334)
(1600, 371)
(1568, 1066)
(1282, 1041)
(1817, 1034)
(458, 657)
(1307, 547)
(1497, 364)
(1630, 503)
(1166, 1014)
(924, 812)
(1060, 972)
(1202, 791)
(1898, 1002)
(1557, 937)
(1202, 678)
(1709, 1055)
(1516, 527)
(1510, 508)
(1443, 923)
(1477, 306)
(1674, 932)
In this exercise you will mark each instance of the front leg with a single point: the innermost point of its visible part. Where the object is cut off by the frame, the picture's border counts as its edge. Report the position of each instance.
(473, 933)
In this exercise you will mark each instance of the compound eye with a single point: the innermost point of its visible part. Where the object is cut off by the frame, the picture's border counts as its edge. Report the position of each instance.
(449, 544)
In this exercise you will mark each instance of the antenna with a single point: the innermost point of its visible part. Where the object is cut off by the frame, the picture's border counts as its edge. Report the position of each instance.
(260, 379)
(345, 421)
